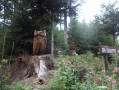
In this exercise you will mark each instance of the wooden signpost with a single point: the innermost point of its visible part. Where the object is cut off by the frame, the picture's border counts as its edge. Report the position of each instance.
(108, 50)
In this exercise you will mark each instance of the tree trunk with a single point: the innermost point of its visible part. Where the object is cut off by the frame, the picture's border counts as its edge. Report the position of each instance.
(60, 21)
(114, 38)
(70, 11)
(65, 27)
(52, 38)
(4, 17)
(41, 26)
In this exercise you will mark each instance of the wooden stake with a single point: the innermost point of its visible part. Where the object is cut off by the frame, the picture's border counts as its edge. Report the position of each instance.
(106, 62)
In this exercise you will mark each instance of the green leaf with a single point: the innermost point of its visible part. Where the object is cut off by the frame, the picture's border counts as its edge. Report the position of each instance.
(65, 73)
(102, 87)
(62, 64)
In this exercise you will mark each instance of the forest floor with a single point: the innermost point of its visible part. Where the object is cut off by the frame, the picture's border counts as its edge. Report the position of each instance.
(19, 71)
(33, 82)
(86, 68)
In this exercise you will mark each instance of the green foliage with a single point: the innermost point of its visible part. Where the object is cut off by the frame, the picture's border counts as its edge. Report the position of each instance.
(105, 39)
(102, 31)
(102, 87)
(87, 85)
(66, 80)
(59, 41)
(19, 87)
(29, 87)
(27, 16)
(50, 75)
(88, 36)
(74, 76)
(1, 40)
(83, 73)
(4, 75)
(109, 20)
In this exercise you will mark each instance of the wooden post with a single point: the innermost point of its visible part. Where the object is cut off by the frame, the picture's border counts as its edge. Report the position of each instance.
(106, 62)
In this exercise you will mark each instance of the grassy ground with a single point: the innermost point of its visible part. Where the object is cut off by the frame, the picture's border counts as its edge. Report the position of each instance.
(83, 72)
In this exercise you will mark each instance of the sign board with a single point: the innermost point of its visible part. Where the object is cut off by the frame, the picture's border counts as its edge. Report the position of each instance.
(109, 50)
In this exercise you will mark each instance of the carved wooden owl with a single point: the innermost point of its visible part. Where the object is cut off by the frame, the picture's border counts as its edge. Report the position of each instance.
(39, 42)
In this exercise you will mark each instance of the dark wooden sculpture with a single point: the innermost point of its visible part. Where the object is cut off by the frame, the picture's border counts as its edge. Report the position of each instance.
(39, 42)
(72, 49)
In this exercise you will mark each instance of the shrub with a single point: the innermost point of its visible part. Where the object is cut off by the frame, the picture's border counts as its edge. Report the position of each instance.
(72, 75)
(4, 75)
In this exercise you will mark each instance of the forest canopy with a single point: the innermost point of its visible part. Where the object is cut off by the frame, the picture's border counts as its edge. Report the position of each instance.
(20, 18)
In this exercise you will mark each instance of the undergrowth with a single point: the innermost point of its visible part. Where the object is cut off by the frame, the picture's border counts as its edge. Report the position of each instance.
(84, 72)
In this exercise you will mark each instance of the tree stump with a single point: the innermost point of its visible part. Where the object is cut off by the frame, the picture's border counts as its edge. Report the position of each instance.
(25, 67)
(42, 64)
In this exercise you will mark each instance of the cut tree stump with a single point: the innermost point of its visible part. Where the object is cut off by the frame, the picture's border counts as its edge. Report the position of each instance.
(42, 64)
(36, 66)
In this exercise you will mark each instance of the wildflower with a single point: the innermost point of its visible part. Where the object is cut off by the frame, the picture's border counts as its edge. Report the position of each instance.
(109, 79)
(4, 61)
(65, 59)
(113, 82)
(103, 71)
(118, 69)
(115, 71)
(60, 59)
